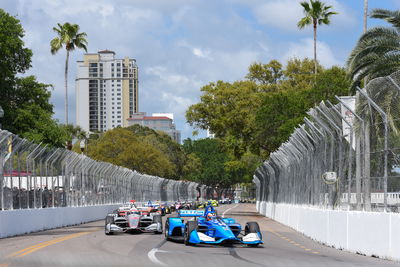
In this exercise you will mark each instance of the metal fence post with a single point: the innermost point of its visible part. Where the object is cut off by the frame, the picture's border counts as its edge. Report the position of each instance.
(350, 160)
(385, 120)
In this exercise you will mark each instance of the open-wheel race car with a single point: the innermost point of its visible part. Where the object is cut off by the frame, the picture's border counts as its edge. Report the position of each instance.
(130, 218)
(207, 228)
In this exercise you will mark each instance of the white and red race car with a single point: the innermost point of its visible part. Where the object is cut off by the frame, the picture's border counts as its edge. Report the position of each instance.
(130, 218)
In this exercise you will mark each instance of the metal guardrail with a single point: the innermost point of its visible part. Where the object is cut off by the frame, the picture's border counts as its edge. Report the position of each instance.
(365, 156)
(37, 176)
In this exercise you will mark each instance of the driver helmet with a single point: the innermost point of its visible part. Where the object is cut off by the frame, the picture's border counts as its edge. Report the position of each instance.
(209, 216)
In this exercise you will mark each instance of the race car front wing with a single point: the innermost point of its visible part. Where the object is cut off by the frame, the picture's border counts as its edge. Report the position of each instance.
(154, 227)
(249, 239)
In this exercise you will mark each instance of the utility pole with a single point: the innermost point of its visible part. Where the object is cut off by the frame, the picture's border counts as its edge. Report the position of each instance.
(365, 15)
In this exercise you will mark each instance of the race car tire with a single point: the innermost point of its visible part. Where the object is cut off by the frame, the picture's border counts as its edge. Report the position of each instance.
(106, 231)
(252, 227)
(158, 219)
(109, 220)
(189, 228)
(166, 231)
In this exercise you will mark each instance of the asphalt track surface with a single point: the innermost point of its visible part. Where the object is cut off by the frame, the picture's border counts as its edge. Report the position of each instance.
(87, 245)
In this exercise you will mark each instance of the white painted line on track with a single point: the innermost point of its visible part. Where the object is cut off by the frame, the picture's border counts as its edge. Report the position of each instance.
(223, 214)
(153, 258)
(152, 254)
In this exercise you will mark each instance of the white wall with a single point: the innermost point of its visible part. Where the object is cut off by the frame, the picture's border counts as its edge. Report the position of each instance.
(369, 233)
(17, 222)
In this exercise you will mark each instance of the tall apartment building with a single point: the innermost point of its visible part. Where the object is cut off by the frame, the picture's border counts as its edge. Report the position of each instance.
(106, 91)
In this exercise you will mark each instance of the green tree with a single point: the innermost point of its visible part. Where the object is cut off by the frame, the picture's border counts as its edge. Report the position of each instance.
(216, 169)
(68, 36)
(265, 74)
(281, 112)
(299, 74)
(164, 143)
(14, 56)
(28, 113)
(377, 52)
(227, 110)
(122, 147)
(316, 13)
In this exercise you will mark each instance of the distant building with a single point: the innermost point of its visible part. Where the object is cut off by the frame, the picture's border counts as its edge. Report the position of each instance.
(107, 91)
(159, 122)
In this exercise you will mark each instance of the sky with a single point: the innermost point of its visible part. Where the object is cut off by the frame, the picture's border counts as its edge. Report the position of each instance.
(182, 45)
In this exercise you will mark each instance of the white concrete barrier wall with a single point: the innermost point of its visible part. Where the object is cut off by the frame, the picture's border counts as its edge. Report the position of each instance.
(369, 233)
(17, 222)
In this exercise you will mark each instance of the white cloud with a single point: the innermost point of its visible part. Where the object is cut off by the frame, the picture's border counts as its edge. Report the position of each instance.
(176, 103)
(284, 14)
(197, 51)
(140, 15)
(305, 48)
(179, 45)
(63, 8)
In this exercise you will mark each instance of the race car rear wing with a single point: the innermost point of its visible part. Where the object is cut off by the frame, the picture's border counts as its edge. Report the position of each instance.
(191, 213)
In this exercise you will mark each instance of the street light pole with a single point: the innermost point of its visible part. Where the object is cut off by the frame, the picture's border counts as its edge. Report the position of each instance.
(83, 198)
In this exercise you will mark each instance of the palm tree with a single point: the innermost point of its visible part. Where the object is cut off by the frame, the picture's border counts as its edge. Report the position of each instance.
(68, 35)
(316, 13)
(377, 52)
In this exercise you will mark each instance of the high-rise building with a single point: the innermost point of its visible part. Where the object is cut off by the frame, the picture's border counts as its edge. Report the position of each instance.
(106, 91)
(159, 122)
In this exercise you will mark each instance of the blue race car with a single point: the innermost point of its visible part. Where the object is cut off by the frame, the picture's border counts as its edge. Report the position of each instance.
(207, 228)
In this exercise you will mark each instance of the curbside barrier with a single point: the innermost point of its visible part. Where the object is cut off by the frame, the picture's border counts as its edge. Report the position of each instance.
(368, 233)
(23, 221)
